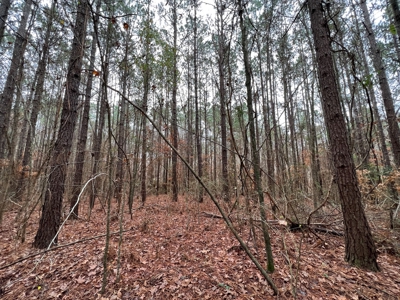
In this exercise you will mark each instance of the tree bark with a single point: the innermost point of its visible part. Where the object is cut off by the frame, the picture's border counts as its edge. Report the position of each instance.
(196, 103)
(377, 117)
(189, 123)
(255, 156)
(98, 136)
(396, 16)
(36, 101)
(267, 112)
(173, 106)
(81, 145)
(9, 88)
(119, 176)
(222, 103)
(4, 7)
(25, 123)
(51, 212)
(359, 245)
(394, 132)
(146, 88)
(15, 129)
(100, 113)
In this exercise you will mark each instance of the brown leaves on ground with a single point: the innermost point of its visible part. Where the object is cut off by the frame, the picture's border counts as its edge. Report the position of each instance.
(172, 251)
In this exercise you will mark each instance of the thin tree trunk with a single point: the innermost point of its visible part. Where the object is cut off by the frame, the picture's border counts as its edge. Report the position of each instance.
(36, 101)
(81, 145)
(9, 88)
(98, 138)
(4, 7)
(119, 177)
(100, 115)
(394, 132)
(396, 46)
(189, 120)
(275, 126)
(267, 125)
(312, 139)
(25, 123)
(197, 110)
(135, 160)
(371, 90)
(396, 15)
(173, 106)
(222, 103)
(214, 147)
(16, 113)
(146, 89)
(358, 135)
(166, 155)
(255, 156)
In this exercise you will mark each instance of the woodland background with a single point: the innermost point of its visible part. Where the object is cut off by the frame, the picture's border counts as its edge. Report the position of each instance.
(167, 149)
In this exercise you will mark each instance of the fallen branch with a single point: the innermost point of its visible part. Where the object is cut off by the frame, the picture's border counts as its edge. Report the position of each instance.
(292, 227)
(57, 247)
(329, 231)
(211, 215)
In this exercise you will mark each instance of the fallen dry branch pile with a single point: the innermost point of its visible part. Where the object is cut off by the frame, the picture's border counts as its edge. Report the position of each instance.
(174, 251)
(285, 224)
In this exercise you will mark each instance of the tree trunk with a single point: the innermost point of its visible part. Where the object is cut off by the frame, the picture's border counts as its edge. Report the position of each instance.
(173, 107)
(189, 122)
(81, 145)
(267, 122)
(25, 122)
(146, 89)
(119, 176)
(394, 132)
(276, 156)
(396, 15)
(166, 154)
(377, 117)
(197, 110)
(100, 116)
(15, 128)
(51, 211)
(4, 7)
(359, 245)
(214, 146)
(222, 103)
(356, 118)
(135, 159)
(36, 101)
(255, 156)
(98, 138)
(9, 88)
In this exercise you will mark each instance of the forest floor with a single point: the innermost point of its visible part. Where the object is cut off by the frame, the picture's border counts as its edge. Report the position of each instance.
(175, 251)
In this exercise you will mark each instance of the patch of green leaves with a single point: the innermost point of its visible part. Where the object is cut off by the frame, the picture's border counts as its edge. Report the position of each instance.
(392, 29)
(225, 286)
